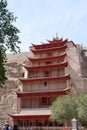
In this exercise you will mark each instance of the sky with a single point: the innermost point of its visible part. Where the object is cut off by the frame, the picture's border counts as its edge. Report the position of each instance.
(40, 20)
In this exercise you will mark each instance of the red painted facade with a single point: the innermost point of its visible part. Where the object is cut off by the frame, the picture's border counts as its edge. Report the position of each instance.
(45, 79)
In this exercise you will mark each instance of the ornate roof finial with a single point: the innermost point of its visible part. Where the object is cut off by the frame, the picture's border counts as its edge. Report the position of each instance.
(57, 36)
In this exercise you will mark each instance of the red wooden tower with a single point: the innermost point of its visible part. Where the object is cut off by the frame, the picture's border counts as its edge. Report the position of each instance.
(45, 79)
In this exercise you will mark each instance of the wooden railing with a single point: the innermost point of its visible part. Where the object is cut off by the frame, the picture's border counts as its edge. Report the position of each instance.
(49, 128)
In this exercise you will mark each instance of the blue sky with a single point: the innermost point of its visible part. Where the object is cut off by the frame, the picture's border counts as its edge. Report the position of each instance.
(39, 20)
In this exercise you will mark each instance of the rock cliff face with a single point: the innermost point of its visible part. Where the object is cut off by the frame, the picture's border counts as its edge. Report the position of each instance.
(8, 100)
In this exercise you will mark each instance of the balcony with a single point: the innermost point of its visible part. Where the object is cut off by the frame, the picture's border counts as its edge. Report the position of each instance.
(49, 57)
(52, 93)
(39, 78)
(51, 66)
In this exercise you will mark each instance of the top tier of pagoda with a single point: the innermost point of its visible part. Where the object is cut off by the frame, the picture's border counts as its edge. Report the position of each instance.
(49, 46)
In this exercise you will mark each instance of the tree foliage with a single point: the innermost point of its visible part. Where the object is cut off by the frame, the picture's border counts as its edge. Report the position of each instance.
(8, 37)
(82, 108)
(65, 108)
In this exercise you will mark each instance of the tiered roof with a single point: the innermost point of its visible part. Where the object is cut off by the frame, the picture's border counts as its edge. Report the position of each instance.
(52, 93)
(50, 66)
(40, 79)
(47, 58)
(54, 43)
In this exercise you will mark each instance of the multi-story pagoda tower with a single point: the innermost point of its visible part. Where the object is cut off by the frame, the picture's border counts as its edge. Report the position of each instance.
(45, 79)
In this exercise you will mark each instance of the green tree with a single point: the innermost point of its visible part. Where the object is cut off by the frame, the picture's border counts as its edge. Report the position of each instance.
(9, 40)
(64, 109)
(68, 107)
(82, 108)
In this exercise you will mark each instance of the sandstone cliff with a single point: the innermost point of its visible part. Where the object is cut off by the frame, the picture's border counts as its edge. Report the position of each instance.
(8, 99)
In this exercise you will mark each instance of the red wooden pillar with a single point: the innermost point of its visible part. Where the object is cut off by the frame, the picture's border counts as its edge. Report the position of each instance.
(42, 121)
(39, 102)
(47, 101)
(23, 122)
(30, 102)
(32, 122)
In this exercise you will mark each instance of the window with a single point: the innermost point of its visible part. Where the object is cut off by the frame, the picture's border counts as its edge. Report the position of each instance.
(25, 103)
(31, 73)
(49, 62)
(45, 83)
(44, 100)
(49, 54)
(47, 73)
